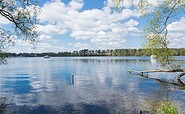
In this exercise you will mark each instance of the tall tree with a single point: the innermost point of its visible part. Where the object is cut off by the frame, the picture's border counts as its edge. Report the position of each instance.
(22, 15)
(158, 16)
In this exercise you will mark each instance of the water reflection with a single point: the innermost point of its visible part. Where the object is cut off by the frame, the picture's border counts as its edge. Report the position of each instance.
(81, 85)
(19, 84)
(3, 105)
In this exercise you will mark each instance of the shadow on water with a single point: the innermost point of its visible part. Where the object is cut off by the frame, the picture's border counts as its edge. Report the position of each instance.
(79, 108)
(3, 105)
(65, 109)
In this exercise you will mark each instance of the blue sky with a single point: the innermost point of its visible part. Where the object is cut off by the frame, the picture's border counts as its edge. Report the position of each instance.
(67, 25)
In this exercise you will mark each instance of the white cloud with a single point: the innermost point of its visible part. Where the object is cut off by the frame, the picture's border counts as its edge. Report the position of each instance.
(119, 30)
(134, 29)
(80, 46)
(108, 38)
(44, 37)
(49, 44)
(177, 42)
(3, 20)
(177, 26)
(50, 29)
(76, 4)
(77, 46)
(83, 34)
(46, 44)
(176, 34)
(88, 24)
(131, 23)
(53, 12)
(98, 27)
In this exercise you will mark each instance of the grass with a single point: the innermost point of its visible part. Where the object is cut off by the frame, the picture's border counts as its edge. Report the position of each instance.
(166, 107)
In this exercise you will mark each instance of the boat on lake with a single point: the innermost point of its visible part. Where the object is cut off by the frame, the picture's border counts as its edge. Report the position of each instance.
(46, 56)
(153, 57)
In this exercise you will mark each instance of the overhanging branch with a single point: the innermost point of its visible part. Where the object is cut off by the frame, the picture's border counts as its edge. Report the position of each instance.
(154, 71)
(10, 17)
(144, 74)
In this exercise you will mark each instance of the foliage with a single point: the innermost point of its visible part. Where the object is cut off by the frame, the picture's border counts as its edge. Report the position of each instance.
(166, 107)
(22, 15)
(3, 58)
(156, 32)
(158, 106)
(115, 52)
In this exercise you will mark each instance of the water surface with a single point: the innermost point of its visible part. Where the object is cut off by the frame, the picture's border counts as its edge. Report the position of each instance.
(101, 85)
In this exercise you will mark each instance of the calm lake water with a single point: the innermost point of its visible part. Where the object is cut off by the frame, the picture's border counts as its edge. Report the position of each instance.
(101, 85)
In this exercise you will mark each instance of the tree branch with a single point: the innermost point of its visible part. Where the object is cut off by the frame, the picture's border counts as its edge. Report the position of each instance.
(10, 17)
(177, 81)
(180, 75)
(153, 71)
(168, 16)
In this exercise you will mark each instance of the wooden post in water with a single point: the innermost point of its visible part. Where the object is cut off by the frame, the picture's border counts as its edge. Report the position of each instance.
(72, 79)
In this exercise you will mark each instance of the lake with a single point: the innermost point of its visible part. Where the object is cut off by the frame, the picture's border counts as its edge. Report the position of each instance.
(101, 85)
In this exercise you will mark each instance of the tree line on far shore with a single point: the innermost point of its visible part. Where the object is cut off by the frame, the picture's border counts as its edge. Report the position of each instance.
(86, 52)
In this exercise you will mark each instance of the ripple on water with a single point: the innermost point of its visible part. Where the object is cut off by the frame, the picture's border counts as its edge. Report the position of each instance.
(17, 83)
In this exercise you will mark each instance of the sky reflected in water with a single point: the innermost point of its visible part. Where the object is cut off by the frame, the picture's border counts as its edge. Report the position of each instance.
(101, 85)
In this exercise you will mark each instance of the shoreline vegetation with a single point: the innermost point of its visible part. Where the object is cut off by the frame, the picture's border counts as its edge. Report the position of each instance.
(86, 52)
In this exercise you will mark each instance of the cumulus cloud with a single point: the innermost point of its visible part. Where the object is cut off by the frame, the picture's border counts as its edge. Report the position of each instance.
(76, 4)
(177, 42)
(49, 44)
(108, 38)
(176, 33)
(50, 29)
(77, 46)
(131, 23)
(44, 37)
(46, 43)
(83, 34)
(177, 26)
(102, 26)
(81, 46)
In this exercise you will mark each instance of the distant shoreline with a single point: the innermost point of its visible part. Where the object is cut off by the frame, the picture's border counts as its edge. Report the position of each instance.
(91, 53)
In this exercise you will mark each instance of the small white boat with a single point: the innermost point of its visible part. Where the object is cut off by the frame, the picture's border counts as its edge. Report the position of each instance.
(46, 56)
(153, 57)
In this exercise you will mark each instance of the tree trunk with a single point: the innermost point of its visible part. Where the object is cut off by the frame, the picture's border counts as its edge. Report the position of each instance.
(153, 71)
(177, 81)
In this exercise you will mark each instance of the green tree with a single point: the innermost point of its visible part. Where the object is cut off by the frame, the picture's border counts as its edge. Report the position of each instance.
(156, 32)
(158, 17)
(22, 16)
